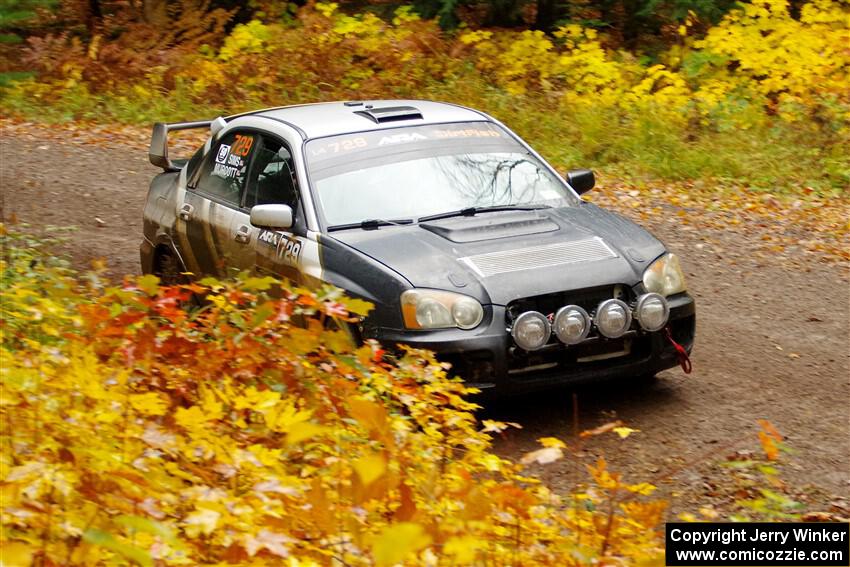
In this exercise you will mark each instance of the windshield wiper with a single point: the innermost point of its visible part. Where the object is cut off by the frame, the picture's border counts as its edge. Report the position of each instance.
(370, 224)
(472, 211)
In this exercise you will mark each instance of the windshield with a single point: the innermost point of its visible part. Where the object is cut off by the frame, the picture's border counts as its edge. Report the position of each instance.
(408, 173)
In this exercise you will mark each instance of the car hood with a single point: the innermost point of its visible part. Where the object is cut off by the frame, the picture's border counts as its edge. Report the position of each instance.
(498, 257)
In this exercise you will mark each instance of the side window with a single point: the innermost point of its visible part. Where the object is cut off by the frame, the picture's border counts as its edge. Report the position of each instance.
(272, 177)
(224, 173)
(192, 164)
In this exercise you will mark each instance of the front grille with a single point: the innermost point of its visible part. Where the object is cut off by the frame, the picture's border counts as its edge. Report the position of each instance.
(556, 356)
(548, 304)
(493, 263)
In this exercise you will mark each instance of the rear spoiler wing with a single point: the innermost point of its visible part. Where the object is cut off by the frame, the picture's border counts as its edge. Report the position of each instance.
(158, 151)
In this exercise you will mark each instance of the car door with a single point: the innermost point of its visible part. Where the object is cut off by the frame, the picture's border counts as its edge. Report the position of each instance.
(212, 221)
(273, 181)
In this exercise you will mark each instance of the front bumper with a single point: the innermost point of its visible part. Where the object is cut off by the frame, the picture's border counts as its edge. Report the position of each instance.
(487, 358)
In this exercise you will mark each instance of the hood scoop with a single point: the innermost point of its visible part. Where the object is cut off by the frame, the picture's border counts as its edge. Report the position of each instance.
(490, 226)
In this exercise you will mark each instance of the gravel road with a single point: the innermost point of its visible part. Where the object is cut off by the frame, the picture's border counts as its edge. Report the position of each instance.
(772, 339)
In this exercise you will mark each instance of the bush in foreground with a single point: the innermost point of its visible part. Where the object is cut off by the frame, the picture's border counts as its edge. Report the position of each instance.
(135, 430)
(252, 431)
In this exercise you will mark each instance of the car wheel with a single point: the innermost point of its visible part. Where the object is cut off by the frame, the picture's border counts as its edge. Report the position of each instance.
(168, 268)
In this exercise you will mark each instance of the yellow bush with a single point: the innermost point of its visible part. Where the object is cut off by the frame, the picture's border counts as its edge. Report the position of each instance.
(789, 64)
(136, 431)
(751, 74)
(778, 62)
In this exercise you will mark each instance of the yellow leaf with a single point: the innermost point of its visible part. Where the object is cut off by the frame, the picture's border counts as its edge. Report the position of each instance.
(201, 521)
(15, 554)
(150, 403)
(462, 549)
(210, 405)
(398, 541)
(372, 416)
(709, 513)
(552, 442)
(305, 430)
(624, 432)
(370, 468)
(643, 488)
(285, 415)
(192, 418)
(491, 462)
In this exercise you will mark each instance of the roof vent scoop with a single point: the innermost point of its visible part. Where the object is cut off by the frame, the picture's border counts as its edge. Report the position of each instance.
(390, 114)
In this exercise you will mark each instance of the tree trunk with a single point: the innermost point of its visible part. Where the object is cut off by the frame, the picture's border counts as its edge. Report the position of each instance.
(504, 13)
(547, 15)
(155, 12)
(94, 16)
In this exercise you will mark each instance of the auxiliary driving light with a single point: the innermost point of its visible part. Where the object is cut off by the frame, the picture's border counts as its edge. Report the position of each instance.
(531, 330)
(652, 311)
(613, 318)
(572, 324)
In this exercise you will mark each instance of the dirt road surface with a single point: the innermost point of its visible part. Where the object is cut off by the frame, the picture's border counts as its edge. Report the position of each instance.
(772, 338)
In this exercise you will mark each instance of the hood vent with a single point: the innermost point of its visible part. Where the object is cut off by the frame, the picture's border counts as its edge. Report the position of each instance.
(390, 114)
(490, 226)
(535, 257)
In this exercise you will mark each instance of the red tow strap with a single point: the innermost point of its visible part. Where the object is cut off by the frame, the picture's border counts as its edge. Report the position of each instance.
(684, 359)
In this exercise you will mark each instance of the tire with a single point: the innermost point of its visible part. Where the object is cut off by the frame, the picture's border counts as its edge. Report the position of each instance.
(168, 268)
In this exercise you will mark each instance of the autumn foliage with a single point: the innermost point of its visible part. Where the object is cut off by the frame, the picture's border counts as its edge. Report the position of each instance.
(763, 81)
(757, 55)
(137, 428)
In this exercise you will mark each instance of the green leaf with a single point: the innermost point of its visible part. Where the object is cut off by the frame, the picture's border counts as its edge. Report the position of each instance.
(105, 540)
(148, 283)
(262, 313)
(211, 282)
(259, 284)
(147, 525)
(356, 306)
(338, 341)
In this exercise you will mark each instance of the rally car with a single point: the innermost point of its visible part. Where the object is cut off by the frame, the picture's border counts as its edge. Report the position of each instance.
(465, 240)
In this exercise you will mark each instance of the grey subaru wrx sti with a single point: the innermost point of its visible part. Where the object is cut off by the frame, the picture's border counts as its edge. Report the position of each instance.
(466, 241)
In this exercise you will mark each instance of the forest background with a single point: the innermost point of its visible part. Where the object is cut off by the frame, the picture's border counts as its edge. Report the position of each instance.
(753, 94)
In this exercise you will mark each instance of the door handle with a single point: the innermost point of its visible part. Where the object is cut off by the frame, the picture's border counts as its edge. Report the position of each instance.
(243, 234)
(186, 211)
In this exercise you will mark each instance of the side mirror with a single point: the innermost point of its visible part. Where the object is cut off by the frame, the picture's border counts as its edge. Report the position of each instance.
(271, 216)
(582, 180)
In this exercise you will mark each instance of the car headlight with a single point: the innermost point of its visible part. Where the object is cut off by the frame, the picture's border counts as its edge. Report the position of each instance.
(435, 309)
(664, 276)
(531, 330)
(572, 324)
(613, 318)
(652, 311)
